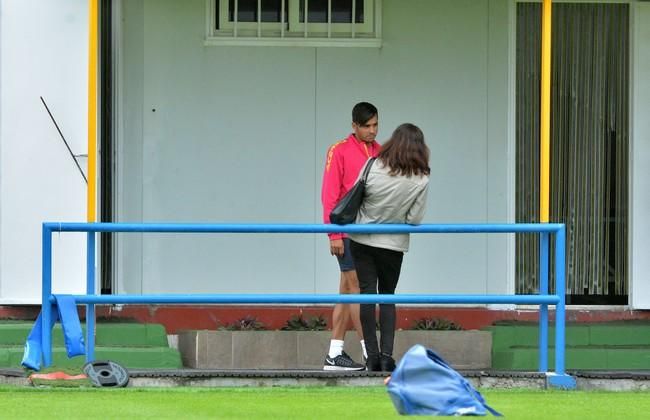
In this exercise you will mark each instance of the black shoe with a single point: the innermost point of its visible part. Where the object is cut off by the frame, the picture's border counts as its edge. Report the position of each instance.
(341, 362)
(372, 363)
(347, 356)
(386, 363)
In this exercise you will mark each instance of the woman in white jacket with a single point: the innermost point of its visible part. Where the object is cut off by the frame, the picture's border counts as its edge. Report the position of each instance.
(396, 192)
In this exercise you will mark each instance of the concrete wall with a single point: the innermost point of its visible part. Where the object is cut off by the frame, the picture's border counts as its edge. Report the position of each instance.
(303, 349)
(640, 158)
(43, 52)
(239, 134)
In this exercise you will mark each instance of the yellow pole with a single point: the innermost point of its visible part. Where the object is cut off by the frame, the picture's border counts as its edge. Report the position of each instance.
(545, 115)
(92, 109)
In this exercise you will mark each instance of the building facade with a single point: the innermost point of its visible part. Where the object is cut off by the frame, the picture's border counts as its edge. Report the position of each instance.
(209, 123)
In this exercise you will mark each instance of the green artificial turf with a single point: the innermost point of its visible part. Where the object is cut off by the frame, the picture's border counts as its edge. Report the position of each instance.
(288, 403)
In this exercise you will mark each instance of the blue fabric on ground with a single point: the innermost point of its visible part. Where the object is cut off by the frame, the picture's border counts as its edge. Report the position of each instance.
(424, 384)
(66, 311)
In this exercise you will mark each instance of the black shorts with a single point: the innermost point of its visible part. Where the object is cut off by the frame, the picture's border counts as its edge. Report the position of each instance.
(346, 263)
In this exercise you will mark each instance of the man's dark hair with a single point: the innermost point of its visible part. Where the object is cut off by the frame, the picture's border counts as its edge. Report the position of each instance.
(362, 112)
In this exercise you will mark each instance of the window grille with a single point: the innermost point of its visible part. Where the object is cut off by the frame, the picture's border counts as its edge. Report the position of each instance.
(355, 23)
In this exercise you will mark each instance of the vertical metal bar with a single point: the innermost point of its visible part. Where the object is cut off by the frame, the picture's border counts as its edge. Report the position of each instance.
(90, 290)
(306, 19)
(354, 17)
(545, 113)
(282, 3)
(46, 292)
(259, 18)
(329, 18)
(543, 309)
(92, 109)
(560, 308)
(235, 17)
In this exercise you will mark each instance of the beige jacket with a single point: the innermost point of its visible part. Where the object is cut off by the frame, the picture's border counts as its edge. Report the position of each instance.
(391, 199)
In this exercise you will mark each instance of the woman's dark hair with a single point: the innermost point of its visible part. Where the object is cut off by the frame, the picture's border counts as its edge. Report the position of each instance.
(362, 112)
(406, 153)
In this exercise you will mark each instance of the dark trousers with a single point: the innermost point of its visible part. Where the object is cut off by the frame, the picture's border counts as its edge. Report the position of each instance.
(378, 271)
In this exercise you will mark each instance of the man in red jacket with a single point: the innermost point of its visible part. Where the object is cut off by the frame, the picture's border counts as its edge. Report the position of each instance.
(345, 159)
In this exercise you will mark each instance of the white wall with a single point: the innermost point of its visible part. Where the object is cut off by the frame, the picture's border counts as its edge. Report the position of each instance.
(210, 153)
(239, 134)
(640, 158)
(129, 73)
(43, 52)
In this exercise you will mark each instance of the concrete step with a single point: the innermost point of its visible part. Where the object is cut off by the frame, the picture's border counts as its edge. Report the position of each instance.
(614, 333)
(306, 349)
(130, 357)
(576, 357)
(130, 344)
(107, 334)
(612, 345)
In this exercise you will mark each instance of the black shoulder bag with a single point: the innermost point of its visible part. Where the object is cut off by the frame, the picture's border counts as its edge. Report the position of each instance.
(346, 210)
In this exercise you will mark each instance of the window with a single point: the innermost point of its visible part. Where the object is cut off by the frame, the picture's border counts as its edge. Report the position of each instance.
(294, 22)
(335, 14)
(268, 12)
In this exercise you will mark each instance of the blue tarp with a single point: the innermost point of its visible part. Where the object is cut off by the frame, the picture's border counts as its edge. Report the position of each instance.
(72, 333)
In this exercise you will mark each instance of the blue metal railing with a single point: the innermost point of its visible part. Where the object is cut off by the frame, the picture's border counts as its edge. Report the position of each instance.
(90, 299)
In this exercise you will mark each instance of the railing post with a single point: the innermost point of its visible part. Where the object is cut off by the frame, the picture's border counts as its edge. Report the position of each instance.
(543, 309)
(90, 290)
(560, 291)
(46, 292)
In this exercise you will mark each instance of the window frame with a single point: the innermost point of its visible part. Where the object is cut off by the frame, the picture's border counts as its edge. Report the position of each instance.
(363, 28)
(227, 25)
(292, 33)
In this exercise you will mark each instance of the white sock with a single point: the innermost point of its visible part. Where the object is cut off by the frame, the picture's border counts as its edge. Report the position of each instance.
(336, 348)
(363, 347)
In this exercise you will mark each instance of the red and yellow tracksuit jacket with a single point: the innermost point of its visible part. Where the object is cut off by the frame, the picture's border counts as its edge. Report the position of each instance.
(345, 159)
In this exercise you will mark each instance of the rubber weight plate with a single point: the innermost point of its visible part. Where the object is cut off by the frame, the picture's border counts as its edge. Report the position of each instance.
(106, 373)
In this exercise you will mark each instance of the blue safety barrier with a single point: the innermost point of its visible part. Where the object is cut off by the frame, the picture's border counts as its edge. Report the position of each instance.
(558, 378)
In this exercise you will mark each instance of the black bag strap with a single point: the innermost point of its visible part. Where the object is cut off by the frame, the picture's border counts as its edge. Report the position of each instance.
(366, 170)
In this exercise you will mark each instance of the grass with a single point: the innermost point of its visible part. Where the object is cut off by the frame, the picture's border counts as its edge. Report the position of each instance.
(297, 403)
